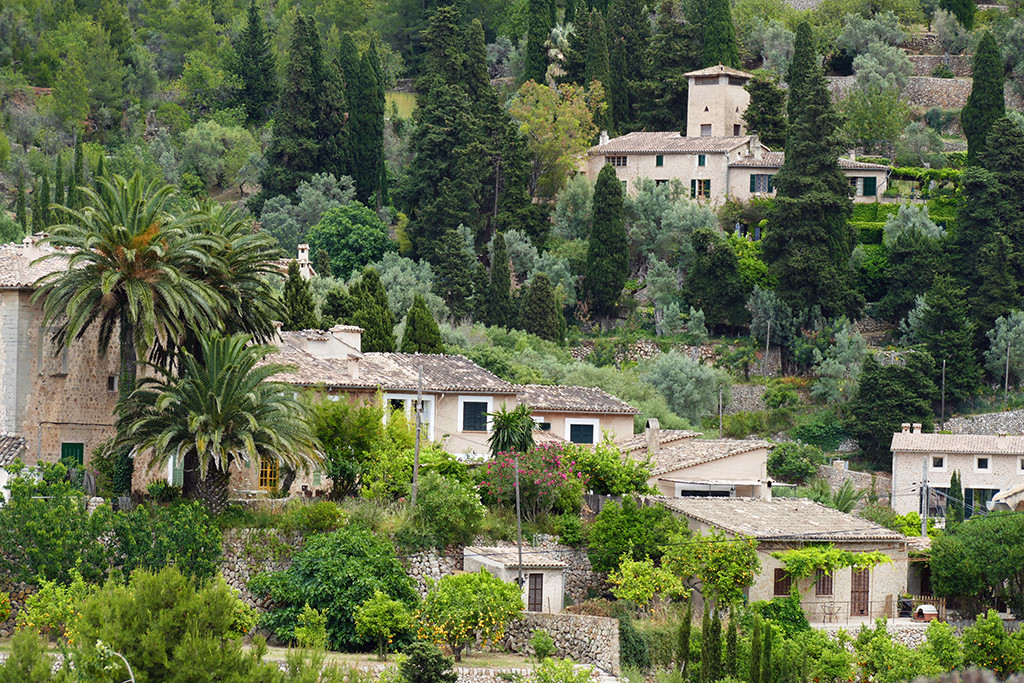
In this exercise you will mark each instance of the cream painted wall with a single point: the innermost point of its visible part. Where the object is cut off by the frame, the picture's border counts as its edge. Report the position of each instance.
(618, 426)
(721, 105)
(553, 593)
(1005, 472)
(683, 167)
(752, 465)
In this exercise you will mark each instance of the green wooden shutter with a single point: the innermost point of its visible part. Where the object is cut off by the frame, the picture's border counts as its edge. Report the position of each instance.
(177, 471)
(316, 478)
(693, 188)
(701, 160)
(72, 454)
(870, 187)
(707, 188)
(771, 187)
(659, 160)
(753, 183)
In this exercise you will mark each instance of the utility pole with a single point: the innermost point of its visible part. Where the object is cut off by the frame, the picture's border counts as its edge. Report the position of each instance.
(519, 526)
(1006, 379)
(943, 420)
(419, 429)
(719, 411)
(767, 343)
(924, 498)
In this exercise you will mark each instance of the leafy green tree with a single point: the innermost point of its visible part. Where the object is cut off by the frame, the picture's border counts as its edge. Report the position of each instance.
(766, 113)
(223, 410)
(948, 333)
(254, 65)
(500, 307)
(289, 221)
(963, 10)
(1006, 340)
(809, 239)
(372, 312)
(71, 94)
(713, 282)
(720, 36)
(298, 301)
(462, 608)
(981, 558)
(348, 433)
(421, 332)
(353, 236)
(154, 537)
(986, 104)
(382, 619)
(539, 312)
(876, 118)
(690, 388)
(722, 569)
(794, 462)
(607, 250)
(889, 396)
(631, 530)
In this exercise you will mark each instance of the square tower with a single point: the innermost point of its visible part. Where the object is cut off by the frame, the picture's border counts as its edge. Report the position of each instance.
(716, 101)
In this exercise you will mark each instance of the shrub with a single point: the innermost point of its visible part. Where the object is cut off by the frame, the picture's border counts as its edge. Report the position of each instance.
(785, 612)
(631, 529)
(824, 430)
(987, 645)
(463, 608)
(53, 610)
(311, 631)
(316, 518)
(152, 538)
(382, 619)
(5, 606)
(794, 462)
(780, 395)
(30, 660)
(335, 573)
(689, 387)
(548, 479)
(560, 671)
(162, 492)
(634, 647)
(447, 512)
(605, 471)
(425, 663)
(542, 644)
(570, 529)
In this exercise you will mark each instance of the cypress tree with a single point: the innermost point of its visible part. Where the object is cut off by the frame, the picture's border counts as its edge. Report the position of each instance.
(44, 202)
(569, 15)
(372, 312)
(481, 283)
(713, 282)
(538, 31)
(500, 308)
(334, 134)
(339, 307)
(617, 89)
(367, 129)
(293, 155)
(453, 279)
(298, 301)
(37, 211)
(996, 291)
(101, 172)
(767, 674)
(378, 106)
(731, 653)
(662, 96)
(720, 36)
(255, 66)
(715, 651)
(979, 213)
(683, 639)
(421, 332)
(20, 212)
(766, 113)
(58, 182)
(963, 10)
(955, 503)
(809, 239)
(539, 312)
(598, 66)
(948, 333)
(706, 663)
(322, 263)
(608, 248)
(986, 103)
(755, 651)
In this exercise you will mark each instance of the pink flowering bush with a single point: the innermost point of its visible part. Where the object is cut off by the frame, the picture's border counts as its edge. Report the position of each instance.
(549, 479)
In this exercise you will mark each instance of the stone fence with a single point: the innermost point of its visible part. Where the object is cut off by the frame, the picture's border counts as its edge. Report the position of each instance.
(836, 476)
(925, 65)
(925, 92)
(19, 592)
(1010, 422)
(249, 552)
(583, 638)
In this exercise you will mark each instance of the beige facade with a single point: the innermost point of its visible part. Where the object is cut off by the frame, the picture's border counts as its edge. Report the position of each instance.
(988, 465)
(738, 475)
(716, 102)
(543, 577)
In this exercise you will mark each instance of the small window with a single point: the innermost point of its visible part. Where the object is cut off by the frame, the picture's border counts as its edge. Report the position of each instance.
(761, 182)
(783, 582)
(982, 464)
(938, 462)
(705, 130)
(177, 471)
(660, 181)
(1021, 464)
(544, 426)
(736, 129)
(317, 478)
(823, 583)
(700, 188)
(474, 416)
(659, 160)
(870, 187)
(615, 161)
(112, 383)
(581, 433)
(268, 474)
(702, 160)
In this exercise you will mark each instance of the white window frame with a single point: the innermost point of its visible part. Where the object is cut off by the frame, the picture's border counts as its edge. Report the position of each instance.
(463, 400)
(931, 461)
(977, 465)
(592, 421)
(408, 401)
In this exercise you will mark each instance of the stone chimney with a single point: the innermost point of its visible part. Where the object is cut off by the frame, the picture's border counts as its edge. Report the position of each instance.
(305, 267)
(603, 138)
(653, 433)
(905, 428)
(853, 155)
(917, 427)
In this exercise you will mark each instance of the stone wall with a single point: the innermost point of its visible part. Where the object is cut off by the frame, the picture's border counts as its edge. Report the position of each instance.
(1010, 422)
(746, 398)
(645, 349)
(835, 475)
(248, 552)
(433, 564)
(922, 42)
(924, 65)
(922, 91)
(585, 639)
(19, 592)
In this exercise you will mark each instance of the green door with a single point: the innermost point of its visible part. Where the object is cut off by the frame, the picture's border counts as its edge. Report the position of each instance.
(72, 454)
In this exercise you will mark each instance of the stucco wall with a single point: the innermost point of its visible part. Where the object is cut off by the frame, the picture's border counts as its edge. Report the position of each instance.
(721, 105)
(1005, 472)
(679, 166)
(618, 426)
(552, 593)
(745, 466)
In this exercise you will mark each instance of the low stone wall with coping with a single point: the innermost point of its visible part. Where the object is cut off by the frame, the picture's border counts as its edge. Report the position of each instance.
(583, 638)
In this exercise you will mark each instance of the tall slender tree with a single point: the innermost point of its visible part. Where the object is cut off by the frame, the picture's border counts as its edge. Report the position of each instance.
(809, 239)
(955, 501)
(539, 312)
(58, 181)
(298, 301)
(671, 53)
(372, 312)
(44, 202)
(421, 332)
(20, 212)
(500, 308)
(683, 639)
(538, 29)
(948, 333)
(986, 103)
(453, 275)
(766, 113)
(608, 248)
(254, 64)
(598, 65)
(963, 10)
(720, 36)
(367, 129)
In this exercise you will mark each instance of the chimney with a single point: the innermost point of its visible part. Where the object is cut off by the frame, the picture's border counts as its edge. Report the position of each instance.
(917, 427)
(653, 432)
(350, 335)
(353, 367)
(853, 155)
(905, 428)
(603, 138)
(305, 268)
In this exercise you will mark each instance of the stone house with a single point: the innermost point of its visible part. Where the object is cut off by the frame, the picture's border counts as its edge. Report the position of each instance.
(683, 465)
(782, 524)
(543, 576)
(11, 448)
(716, 159)
(988, 465)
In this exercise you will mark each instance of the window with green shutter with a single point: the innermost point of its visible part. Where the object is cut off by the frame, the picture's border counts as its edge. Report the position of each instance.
(317, 478)
(870, 187)
(177, 471)
(702, 160)
(72, 454)
(753, 183)
(659, 160)
(693, 188)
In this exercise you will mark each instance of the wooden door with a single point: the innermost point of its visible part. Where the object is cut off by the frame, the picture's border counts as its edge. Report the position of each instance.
(535, 595)
(859, 592)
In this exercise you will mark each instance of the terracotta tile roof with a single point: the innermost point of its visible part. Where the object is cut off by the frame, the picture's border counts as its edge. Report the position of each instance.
(779, 519)
(958, 443)
(542, 438)
(636, 445)
(309, 370)
(718, 70)
(441, 372)
(767, 160)
(669, 142)
(571, 399)
(846, 162)
(11, 447)
(17, 267)
(690, 452)
(509, 557)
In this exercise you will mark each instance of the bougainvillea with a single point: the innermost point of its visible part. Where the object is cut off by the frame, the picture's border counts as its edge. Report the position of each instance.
(548, 479)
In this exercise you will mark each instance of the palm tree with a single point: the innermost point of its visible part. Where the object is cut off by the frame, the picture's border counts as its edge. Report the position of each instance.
(222, 410)
(128, 264)
(511, 430)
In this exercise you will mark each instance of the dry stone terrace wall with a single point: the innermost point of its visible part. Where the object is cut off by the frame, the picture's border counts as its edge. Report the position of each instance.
(19, 592)
(1010, 422)
(924, 65)
(585, 639)
(249, 552)
(922, 91)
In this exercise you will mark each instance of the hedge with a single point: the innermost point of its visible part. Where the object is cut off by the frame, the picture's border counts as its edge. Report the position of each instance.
(869, 233)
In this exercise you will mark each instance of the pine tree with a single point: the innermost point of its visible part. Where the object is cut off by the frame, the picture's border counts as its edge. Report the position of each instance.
(453, 278)
(293, 155)
(766, 113)
(372, 312)
(809, 239)
(731, 653)
(683, 639)
(755, 651)
(662, 95)
(997, 287)
(979, 214)
(955, 502)
(339, 307)
(539, 312)
(421, 332)
(58, 181)
(298, 301)
(608, 248)
(538, 29)
(986, 103)
(20, 211)
(963, 10)
(500, 308)
(720, 36)
(948, 334)
(254, 64)
(322, 263)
